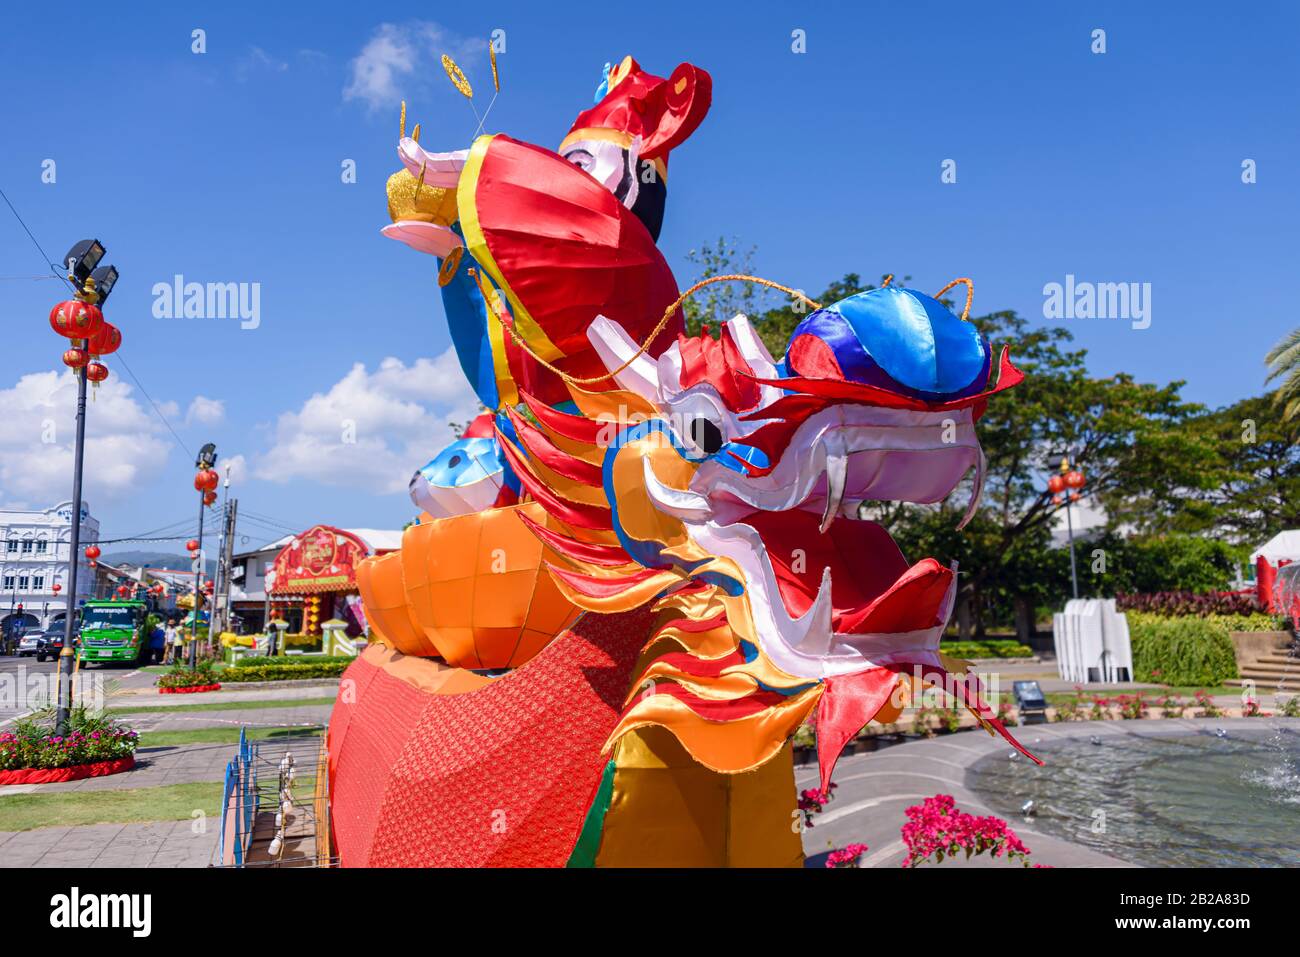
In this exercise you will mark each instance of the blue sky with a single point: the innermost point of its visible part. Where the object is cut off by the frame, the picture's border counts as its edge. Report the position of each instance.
(225, 167)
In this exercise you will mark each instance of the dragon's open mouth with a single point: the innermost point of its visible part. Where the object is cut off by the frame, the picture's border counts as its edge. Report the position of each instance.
(872, 587)
(833, 591)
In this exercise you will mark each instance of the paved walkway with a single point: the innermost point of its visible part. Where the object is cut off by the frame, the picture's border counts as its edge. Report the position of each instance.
(154, 767)
(295, 717)
(155, 844)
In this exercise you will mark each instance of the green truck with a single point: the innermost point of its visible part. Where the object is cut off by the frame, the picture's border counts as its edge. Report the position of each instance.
(113, 631)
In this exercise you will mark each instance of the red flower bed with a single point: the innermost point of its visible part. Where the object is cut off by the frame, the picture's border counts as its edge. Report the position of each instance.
(1189, 604)
(189, 689)
(76, 772)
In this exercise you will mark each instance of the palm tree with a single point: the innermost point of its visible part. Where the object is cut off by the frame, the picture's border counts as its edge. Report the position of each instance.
(1284, 363)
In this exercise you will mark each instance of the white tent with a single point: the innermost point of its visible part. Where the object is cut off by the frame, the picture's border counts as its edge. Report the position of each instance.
(1284, 546)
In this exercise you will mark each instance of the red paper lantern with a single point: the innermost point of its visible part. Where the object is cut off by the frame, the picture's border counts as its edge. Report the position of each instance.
(1058, 498)
(1074, 496)
(1075, 479)
(206, 480)
(1055, 484)
(96, 372)
(92, 552)
(192, 544)
(75, 358)
(56, 588)
(106, 340)
(75, 319)
(209, 497)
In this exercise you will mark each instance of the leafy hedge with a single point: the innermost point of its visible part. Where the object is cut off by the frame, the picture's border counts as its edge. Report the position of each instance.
(994, 648)
(285, 672)
(254, 661)
(1181, 651)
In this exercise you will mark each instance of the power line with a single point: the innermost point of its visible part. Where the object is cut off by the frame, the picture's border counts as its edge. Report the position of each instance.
(45, 256)
(157, 411)
(59, 275)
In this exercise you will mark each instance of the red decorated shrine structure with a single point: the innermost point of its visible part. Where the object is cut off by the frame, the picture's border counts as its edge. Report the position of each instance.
(318, 569)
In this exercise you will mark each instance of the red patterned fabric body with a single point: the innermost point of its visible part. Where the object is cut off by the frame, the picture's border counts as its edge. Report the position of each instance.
(501, 776)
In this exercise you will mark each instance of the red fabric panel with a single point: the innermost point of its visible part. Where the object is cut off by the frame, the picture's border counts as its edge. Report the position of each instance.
(569, 250)
(846, 705)
(572, 513)
(814, 358)
(607, 555)
(557, 460)
(576, 427)
(719, 363)
(500, 776)
(363, 753)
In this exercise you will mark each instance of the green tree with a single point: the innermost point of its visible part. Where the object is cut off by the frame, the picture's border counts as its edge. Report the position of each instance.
(1253, 491)
(1284, 363)
(720, 301)
(1131, 439)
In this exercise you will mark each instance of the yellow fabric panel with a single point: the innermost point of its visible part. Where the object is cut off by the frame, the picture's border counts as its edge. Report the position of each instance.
(637, 515)
(669, 811)
(729, 747)
(616, 406)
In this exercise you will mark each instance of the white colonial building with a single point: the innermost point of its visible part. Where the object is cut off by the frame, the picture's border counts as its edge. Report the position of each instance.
(34, 552)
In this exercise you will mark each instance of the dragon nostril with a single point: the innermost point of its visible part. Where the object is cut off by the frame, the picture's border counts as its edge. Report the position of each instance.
(706, 435)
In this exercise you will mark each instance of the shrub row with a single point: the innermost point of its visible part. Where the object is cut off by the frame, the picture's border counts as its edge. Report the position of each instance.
(256, 661)
(1181, 651)
(994, 648)
(330, 669)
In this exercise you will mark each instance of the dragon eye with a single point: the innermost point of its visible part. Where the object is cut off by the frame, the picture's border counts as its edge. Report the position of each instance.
(706, 435)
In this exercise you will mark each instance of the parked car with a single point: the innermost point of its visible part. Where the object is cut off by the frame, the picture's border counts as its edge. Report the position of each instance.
(41, 644)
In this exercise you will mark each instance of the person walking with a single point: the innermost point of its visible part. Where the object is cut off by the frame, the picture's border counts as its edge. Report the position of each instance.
(174, 642)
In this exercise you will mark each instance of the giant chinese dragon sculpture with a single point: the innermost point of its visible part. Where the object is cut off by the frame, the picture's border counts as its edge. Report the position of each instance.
(644, 566)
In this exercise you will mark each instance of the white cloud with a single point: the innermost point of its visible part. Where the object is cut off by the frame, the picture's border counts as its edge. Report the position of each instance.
(205, 411)
(371, 430)
(257, 60)
(398, 57)
(125, 446)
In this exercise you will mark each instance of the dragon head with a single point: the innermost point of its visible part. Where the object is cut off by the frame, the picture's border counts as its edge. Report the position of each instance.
(729, 487)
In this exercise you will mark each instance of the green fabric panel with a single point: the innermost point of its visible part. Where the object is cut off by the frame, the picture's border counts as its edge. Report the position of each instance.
(588, 845)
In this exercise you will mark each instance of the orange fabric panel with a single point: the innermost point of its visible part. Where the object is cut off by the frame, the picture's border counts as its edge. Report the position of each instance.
(476, 588)
(382, 590)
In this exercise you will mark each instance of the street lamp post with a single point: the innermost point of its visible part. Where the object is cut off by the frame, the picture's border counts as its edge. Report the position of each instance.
(1066, 487)
(205, 482)
(80, 320)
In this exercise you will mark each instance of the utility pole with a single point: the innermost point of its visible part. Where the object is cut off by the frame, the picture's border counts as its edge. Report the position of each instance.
(225, 555)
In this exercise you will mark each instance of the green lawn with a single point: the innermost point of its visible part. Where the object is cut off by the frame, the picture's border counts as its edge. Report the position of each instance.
(220, 706)
(161, 739)
(170, 802)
